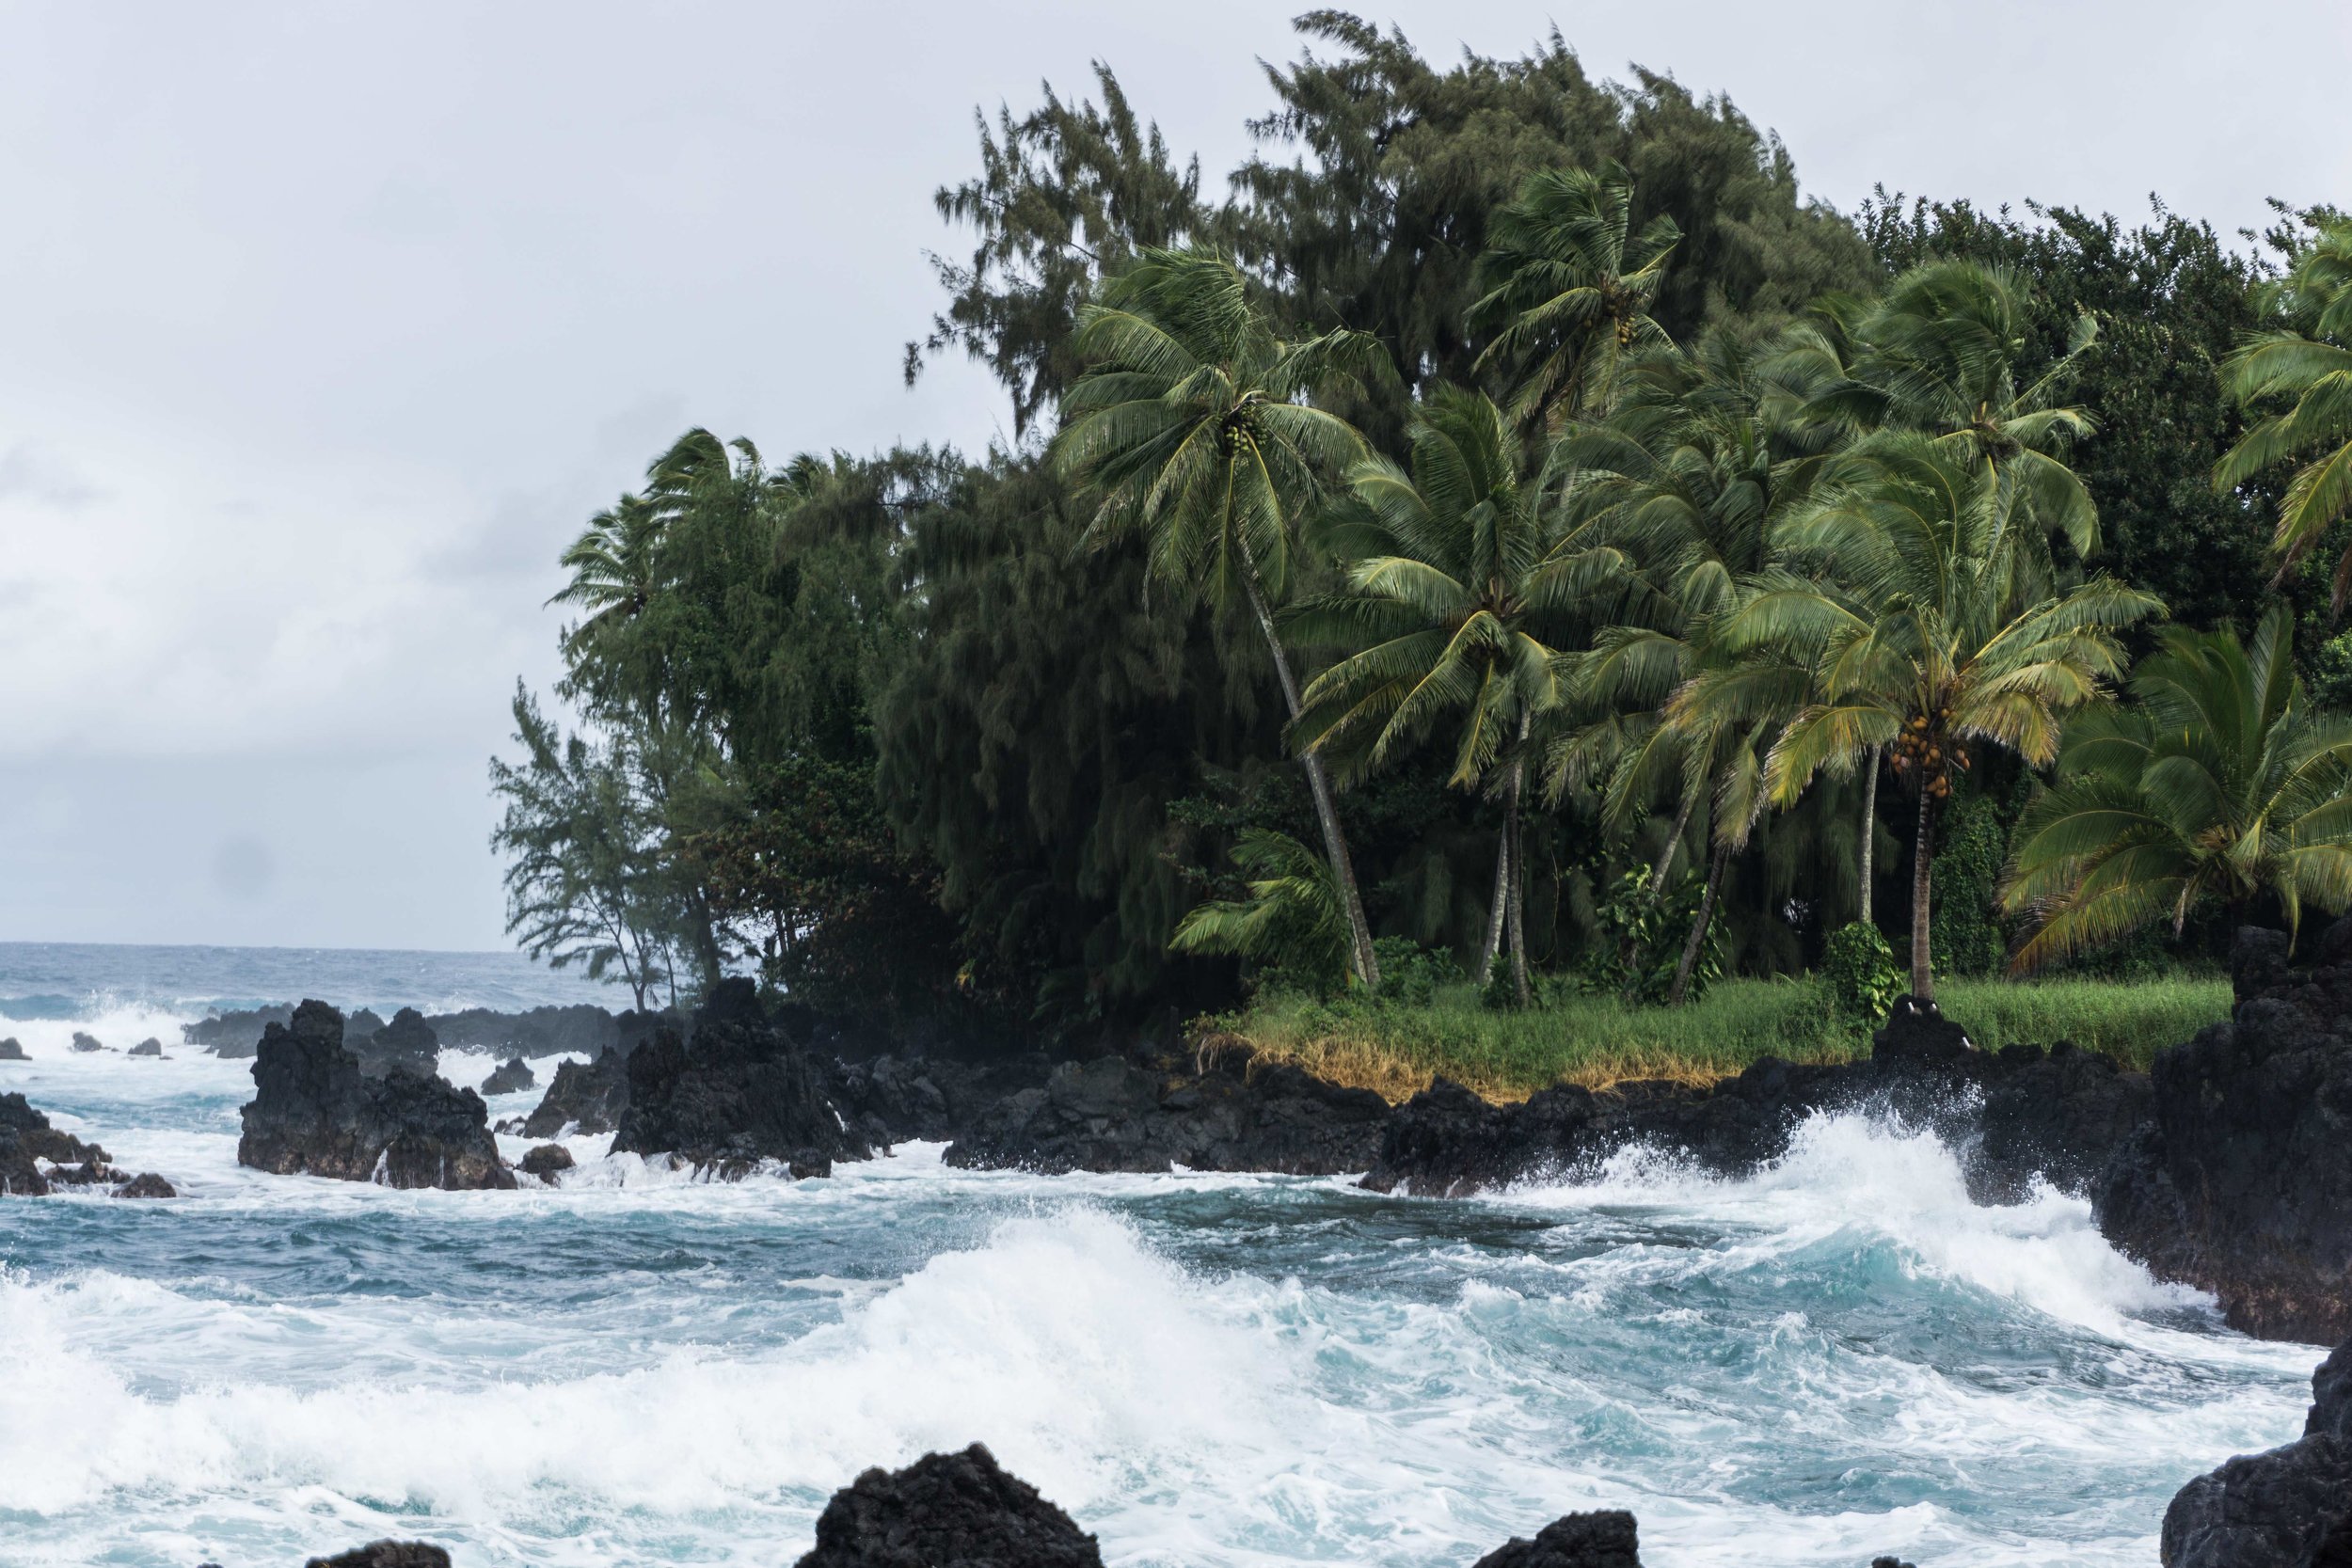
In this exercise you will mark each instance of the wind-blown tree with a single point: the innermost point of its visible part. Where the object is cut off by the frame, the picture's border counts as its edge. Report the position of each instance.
(1569, 287)
(1290, 919)
(2308, 364)
(2217, 783)
(1191, 425)
(1940, 353)
(1921, 634)
(1449, 585)
(615, 568)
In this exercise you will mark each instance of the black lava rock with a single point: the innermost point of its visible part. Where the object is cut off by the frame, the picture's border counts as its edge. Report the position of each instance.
(545, 1161)
(26, 1138)
(315, 1113)
(2289, 1507)
(86, 1044)
(147, 1184)
(739, 1092)
(233, 1033)
(2241, 1181)
(150, 1046)
(546, 1031)
(384, 1554)
(589, 1096)
(2016, 1115)
(946, 1511)
(12, 1051)
(1604, 1539)
(512, 1078)
(408, 1042)
(1114, 1114)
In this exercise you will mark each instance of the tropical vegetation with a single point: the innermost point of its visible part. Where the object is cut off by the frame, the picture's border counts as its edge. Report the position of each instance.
(1509, 552)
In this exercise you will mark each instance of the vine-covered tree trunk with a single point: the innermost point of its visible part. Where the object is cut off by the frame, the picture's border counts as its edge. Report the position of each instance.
(1869, 830)
(1697, 941)
(1319, 787)
(1922, 857)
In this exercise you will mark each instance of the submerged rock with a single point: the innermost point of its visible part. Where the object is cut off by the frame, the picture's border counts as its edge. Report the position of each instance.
(384, 1554)
(315, 1113)
(512, 1078)
(545, 1161)
(11, 1052)
(35, 1159)
(1604, 1539)
(2289, 1507)
(86, 1044)
(147, 1184)
(149, 1047)
(2014, 1115)
(588, 1097)
(1113, 1113)
(947, 1511)
(2241, 1181)
(740, 1091)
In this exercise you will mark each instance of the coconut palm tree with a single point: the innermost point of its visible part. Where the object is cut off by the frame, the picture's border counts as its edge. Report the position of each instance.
(2311, 362)
(614, 567)
(2218, 783)
(1569, 287)
(1192, 425)
(1941, 353)
(1449, 591)
(1901, 592)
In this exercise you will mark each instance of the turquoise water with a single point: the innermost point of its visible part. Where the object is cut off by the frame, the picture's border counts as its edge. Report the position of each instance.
(1839, 1358)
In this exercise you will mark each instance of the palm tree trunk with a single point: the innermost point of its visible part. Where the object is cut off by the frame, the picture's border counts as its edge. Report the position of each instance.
(1319, 787)
(1519, 876)
(1496, 907)
(1869, 830)
(1923, 852)
(1697, 942)
(1674, 842)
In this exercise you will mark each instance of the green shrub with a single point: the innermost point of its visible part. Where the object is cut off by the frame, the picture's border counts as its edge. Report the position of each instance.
(1861, 972)
(1412, 973)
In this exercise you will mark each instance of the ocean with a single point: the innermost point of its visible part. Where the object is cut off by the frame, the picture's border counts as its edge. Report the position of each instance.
(1838, 1359)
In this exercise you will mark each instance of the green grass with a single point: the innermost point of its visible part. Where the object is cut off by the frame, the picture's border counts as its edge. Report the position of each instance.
(1396, 1048)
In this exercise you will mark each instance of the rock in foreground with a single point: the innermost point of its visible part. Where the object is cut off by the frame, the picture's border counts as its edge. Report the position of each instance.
(35, 1159)
(384, 1554)
(740, 1091)
(2241, 1184)
(1604, 1539)
(315, 1113)
(2289, 1507)
(947, 1511)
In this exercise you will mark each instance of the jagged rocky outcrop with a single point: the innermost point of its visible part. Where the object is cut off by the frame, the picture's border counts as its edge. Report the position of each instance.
(513, 1077)
(947, 1511)
(385, 1554)
(2289, 1507)
(10, 1050)
(930, 1098)
(408, 1042)
(2014, 1114)
(315, 1113)
(233, 1033)
(1114, 1114)
(2241, 1182)
(1608, 1539)
(586, 1097)
(359, 1025)
(741, 1090)
(547, 1030)
(37, 1159)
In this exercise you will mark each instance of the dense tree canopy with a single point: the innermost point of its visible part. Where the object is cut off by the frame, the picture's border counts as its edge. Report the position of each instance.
(1503, 509)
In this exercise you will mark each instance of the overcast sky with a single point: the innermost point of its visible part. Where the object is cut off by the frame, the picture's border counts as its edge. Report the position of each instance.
(327, 327)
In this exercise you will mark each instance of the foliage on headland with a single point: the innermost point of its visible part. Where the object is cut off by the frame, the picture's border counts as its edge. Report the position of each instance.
(1503, 528)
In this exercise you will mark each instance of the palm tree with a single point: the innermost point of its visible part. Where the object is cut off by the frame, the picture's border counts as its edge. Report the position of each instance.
(2309, 361)
(614, 567)
(1920, 634)
(2218, 783)
(1191, 425)
(1449, 587)
(1569, 287)
(1292, 915)
(1940, 353)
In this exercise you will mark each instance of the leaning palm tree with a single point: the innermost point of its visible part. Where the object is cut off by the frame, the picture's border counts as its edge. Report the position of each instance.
(1901, 592)
(1448, 589)
(2219, 783)
(1569, 286)
(1192, 425)
(2311, 362)
(615, 569)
